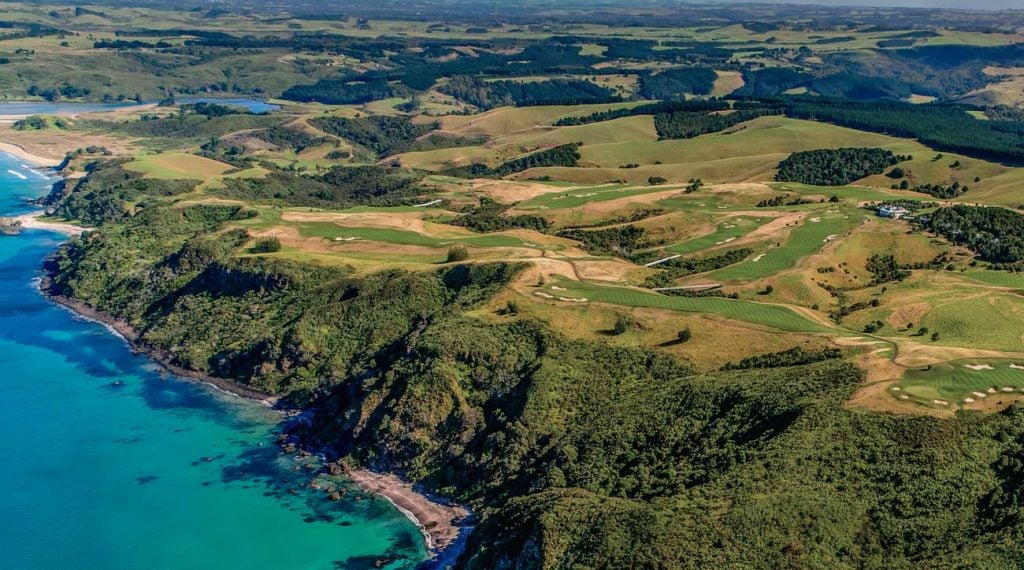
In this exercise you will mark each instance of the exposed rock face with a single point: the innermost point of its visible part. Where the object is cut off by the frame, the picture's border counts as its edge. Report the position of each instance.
(10, 226)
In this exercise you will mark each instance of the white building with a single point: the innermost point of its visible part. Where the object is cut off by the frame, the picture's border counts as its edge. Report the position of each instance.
(894, 212)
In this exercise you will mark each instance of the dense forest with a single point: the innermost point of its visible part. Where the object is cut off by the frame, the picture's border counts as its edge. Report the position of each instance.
(489, 94)
(835, 167)
(945, 127)
(994, 234)
(677, 83)
(386, 135)
(561, 155)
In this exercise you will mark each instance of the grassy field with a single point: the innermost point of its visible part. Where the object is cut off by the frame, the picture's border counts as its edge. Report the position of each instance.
(809, 237)
(762, 314)
(729, 230)
(177, 165)
(333, 231)
(576, 198)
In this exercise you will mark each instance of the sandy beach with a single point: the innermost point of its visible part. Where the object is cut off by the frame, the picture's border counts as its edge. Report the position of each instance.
(33, 159)
(439, 523)
(33, 221)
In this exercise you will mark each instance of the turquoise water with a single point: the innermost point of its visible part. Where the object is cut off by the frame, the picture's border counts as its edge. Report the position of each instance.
(108, 463)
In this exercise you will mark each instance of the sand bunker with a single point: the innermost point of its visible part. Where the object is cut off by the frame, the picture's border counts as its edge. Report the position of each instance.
(979, 366)
(760, 257)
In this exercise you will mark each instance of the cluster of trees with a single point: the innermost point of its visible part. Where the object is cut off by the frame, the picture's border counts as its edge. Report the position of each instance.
(382, 134)
(621, 241)
(940, 191)
(782, 200)
(835, 167)
(187, 127)
(681, 267)
(208, 109)
(488, 216)
(385, 135)
(677, 82)
(561, 155)
(339, 187)
(686, 125)
(489, 94)
(345, 92)
(994, 234)
(693, 106)
(945, 127)
(795, 356)
(884, 269)
(63, 91)
(111, 193)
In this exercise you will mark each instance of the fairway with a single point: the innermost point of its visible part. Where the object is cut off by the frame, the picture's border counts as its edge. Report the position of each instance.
(728, 230)
(329, 230)
(581, 197)
(763, 314)
(809, 237)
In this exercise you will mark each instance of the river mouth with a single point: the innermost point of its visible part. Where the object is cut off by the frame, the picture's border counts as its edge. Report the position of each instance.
(110, 462)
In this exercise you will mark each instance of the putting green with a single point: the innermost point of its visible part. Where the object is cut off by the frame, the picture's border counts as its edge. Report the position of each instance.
(954, 381)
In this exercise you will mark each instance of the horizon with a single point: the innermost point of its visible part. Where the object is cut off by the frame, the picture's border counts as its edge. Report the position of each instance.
(978, 5)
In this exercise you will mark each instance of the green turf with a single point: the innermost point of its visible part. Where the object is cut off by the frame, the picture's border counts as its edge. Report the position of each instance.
(733, 228)
(998, 278)
(401, 237)
(574, 198)
(764, 314)
(953, 381)
(843, 192)
(806, 239)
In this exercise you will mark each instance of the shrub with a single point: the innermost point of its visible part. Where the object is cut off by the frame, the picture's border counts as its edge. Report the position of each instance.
(457, 253)
(267, 245)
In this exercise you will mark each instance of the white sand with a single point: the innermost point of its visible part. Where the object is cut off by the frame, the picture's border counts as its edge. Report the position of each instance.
(33, 159)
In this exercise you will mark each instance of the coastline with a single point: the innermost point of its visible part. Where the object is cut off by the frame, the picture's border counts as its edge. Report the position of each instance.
(131, 336)
(33, 222)
(35, 160)
(442, 524)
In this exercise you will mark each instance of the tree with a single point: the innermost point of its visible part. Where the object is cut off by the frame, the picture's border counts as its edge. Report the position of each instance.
(622, 324)
(656, 180)
(684, 335)
(935, 336)
(922, 331)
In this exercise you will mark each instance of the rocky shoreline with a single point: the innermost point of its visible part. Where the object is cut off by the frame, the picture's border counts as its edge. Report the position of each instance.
(443, 524)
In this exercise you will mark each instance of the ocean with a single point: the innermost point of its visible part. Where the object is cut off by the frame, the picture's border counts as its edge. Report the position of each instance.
(108, 462)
